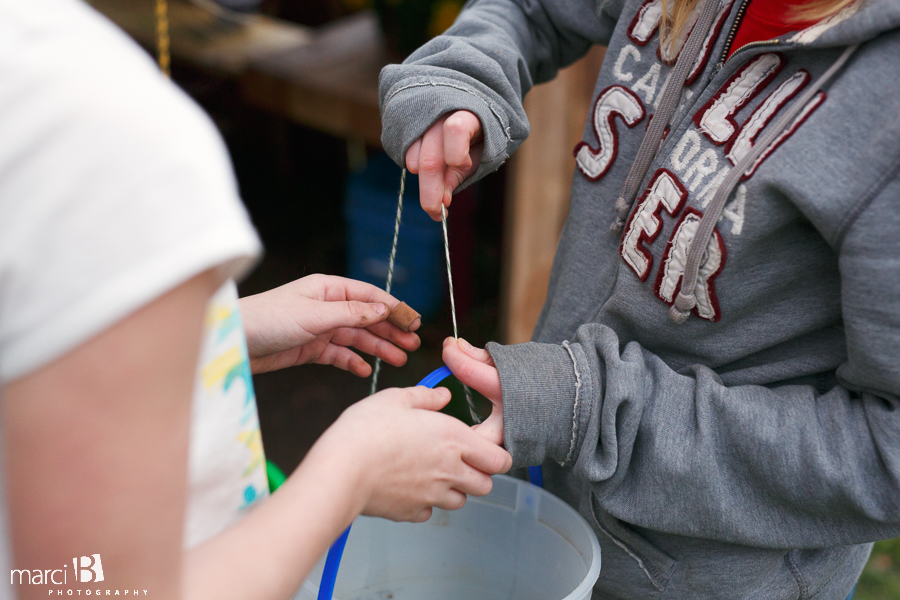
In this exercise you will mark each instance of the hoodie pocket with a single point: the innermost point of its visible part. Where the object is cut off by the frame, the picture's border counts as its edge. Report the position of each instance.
(631, 567)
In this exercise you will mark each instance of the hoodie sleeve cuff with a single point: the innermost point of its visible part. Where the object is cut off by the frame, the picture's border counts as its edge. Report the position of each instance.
(412, 105)
(542, 388)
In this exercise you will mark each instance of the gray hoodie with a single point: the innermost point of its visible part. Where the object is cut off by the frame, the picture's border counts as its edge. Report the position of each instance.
(721, 393)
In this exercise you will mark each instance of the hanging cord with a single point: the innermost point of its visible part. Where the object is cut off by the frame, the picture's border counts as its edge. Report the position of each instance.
(390, 278)
(670, 95)
(475, 418)
(687, 298)
(390, 275)
(162, 37)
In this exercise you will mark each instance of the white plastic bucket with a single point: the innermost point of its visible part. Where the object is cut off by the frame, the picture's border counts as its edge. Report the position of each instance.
(518, 542)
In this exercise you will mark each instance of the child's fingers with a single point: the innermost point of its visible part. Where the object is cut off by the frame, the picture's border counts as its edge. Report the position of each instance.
(486, 455)
(412, 157)
(422, 516)
(477, 373)
(451, 500)
(479, 354)
(476, 151)
(426, 398)
(432, 167)
(452, 180)
(365, 341)
(405, 318)
(345, 359)
(460, 129)
(336, 289)
(491, 428)
(472, 482)
(334, 315)
(406, 340)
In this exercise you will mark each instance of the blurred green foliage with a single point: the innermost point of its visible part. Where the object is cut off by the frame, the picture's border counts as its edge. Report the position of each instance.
(881, 578)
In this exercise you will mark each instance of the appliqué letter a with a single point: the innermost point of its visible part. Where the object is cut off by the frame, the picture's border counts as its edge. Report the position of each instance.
(91, 569)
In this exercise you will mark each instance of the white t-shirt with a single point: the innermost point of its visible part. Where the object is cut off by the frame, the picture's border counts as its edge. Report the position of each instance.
(114, 188)
(227, 462)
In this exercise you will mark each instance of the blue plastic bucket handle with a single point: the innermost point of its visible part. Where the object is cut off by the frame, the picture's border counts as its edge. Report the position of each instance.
(332, 563)
(333, 560)
(536, 476)
(435, 377)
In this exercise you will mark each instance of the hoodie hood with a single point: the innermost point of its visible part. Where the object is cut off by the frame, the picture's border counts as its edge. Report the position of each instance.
(855, 24)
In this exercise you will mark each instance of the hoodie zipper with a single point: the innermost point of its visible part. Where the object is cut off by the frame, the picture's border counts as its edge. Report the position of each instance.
(744, 47)
(742, 10)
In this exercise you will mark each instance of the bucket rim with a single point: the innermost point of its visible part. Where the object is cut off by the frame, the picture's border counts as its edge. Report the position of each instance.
(593, 571)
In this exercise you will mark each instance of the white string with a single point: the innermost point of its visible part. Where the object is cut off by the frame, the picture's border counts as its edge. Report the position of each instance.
(390, 275)
(471, 404)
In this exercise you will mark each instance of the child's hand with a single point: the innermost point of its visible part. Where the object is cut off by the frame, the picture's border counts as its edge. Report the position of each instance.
(410, 457)
(444, 157)
(475, 368)
(318, 319)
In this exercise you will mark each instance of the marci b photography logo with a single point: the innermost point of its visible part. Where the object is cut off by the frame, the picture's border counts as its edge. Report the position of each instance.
(91, 570)
(87, 569)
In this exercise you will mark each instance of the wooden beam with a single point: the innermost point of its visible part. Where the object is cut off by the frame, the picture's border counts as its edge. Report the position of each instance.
(224, 41)
(325, 78)
(330, 84)
(538, 185)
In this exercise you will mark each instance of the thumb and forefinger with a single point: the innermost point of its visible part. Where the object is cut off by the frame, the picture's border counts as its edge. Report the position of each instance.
(472, 366)
(428, 399)
(462, 150)
(444, 157)
(481, 450)
(486, 454)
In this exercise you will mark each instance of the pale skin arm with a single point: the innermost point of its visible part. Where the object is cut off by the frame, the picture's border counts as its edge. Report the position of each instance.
(96, 448)
(388, 455)
(96, 453)
(448, 153)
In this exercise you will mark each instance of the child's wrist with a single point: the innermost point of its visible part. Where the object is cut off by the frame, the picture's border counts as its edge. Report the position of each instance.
(334, 463)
